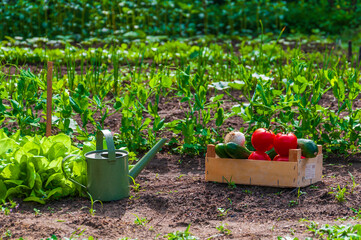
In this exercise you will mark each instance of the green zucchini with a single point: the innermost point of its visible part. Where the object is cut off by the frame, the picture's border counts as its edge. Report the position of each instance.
(308, 147)
(236, 151)
(221, 150)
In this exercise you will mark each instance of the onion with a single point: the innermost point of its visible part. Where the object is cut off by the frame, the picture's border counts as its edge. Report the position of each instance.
(235, 137)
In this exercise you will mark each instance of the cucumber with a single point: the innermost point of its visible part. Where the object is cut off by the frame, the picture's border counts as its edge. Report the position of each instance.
(221, 150)
(236, 151)
(308, 147)
(272, 153)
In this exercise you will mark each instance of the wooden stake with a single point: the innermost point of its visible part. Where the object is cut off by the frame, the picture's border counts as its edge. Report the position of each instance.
(349, 55)
(49, 99)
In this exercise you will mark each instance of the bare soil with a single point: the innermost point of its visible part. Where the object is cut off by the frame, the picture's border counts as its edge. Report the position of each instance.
(173, 194)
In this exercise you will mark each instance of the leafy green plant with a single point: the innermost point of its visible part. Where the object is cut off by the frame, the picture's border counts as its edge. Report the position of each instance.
(223, 229)
(140, 221)
(340, 193)
(133, 20)
(293, 203)
(37, 212)
(336, 231)
(8, 234)
(357, 212)
(222, 212)
(92, 202)
(247, 191)
(135, 186)
(354, 184)
(31, 167)
(8, 207)
(179, 235)
(231, 184)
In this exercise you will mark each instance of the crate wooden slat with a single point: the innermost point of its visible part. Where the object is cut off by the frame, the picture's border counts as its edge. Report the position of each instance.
(296, 172)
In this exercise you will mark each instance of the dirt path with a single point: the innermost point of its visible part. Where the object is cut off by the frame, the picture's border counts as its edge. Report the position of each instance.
(173, 194)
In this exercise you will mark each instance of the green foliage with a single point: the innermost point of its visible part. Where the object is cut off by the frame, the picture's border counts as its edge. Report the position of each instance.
(30, 167)
(223, 229)
(336, 231)
(354, 184)
(129, 20)
(140, 221)
(181, 235)
(222, 212)
(8, 207)
(340, 194)
(331, 232)
(231, 184)
(293, 203)
(261, 84)
(37, 212)
(357, 212)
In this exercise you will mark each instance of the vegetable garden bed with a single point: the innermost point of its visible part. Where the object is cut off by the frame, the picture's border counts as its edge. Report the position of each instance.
(193, 104)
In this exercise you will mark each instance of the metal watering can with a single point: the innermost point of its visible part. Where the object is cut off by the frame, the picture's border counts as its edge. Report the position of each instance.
(108, 171)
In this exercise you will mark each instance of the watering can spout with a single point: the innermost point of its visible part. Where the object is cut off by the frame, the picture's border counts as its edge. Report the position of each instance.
(134, 172)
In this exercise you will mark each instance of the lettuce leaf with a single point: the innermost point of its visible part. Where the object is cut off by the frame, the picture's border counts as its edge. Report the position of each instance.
(30, 167)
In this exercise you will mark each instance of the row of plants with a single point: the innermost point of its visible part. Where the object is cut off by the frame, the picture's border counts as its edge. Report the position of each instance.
(259, 84)
(179, 18)
(165, 51)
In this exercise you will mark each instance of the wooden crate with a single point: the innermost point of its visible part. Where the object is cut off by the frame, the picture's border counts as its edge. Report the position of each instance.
(295, 173)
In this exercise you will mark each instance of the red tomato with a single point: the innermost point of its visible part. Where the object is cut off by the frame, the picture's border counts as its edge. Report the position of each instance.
(262, 140)
(259, 156)
(284, 142)
(281, 158)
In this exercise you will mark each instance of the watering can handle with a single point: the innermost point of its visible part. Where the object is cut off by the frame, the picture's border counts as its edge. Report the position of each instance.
(109, 140)
(66, 175)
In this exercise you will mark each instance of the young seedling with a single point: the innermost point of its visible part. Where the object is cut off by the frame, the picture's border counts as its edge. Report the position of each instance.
(354, 184)
(180, 235)
(8, 207)
(135, 186)
(179, 177)
(231, 184)
(8, 234)
(292, 203)
(340, 193)
(246, 191)
(297, 201)
(91, 209)
(222, 212)
(140, 221)
(358, 213)
(279, 193)
(223, 229)
(77, 233)
(51, 209)
(37, 212)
